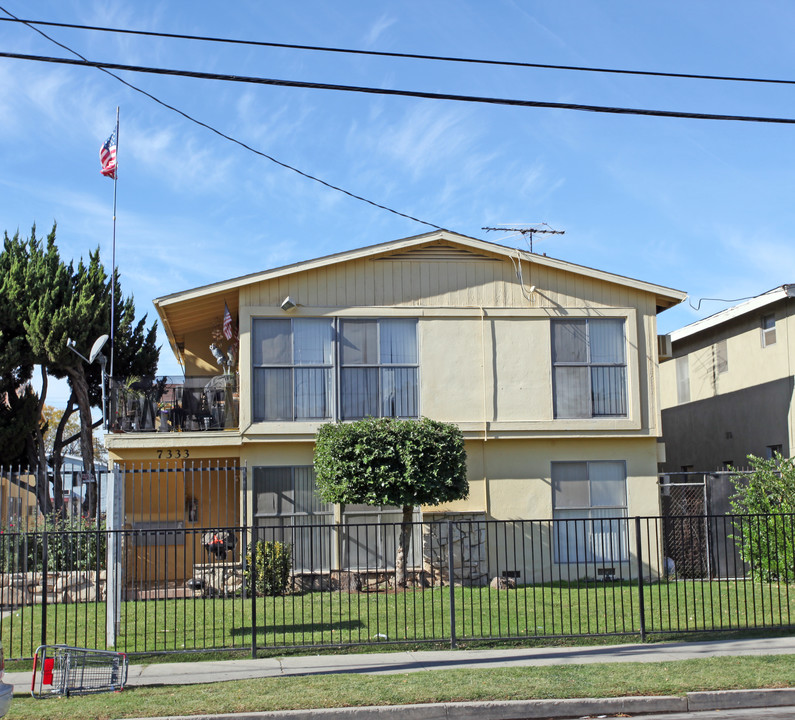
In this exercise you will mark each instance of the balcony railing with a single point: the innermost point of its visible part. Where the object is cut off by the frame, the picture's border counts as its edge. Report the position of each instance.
(190, 404)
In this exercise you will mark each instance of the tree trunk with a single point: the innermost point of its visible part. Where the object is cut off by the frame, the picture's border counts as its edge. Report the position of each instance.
(42, 481)
(80, 392)
(57, 459)
(404, 546)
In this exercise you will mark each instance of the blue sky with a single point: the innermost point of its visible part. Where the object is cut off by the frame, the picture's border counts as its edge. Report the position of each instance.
(700, 206)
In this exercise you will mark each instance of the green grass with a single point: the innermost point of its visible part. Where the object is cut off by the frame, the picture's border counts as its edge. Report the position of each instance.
(345, 690)
(415, 616)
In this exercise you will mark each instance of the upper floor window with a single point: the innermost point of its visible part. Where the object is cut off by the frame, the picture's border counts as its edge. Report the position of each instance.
(295, 363)
(292, 369)
(378, 375)
(589, 371)
(768, 330)
(721, 357)
(682, 379)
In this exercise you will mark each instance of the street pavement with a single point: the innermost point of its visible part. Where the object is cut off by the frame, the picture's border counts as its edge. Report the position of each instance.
(187, 673)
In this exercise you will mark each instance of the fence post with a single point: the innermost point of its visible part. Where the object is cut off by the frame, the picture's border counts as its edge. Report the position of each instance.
(244, 534)
(251, 580)
(451, 577)
(44, 561)
(114, 513)
(639, 555)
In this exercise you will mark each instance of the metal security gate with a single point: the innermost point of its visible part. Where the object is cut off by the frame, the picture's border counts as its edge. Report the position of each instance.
(177, 520)
(698, 539)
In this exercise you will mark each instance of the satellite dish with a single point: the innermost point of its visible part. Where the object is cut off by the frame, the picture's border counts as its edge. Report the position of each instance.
(99, 343)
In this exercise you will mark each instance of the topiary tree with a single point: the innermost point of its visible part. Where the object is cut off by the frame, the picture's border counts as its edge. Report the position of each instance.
(391, 462)
(766, 539)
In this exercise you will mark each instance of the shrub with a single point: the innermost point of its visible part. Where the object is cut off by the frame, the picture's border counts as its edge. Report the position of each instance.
(765, 537)
(72, 544)
(270, 567)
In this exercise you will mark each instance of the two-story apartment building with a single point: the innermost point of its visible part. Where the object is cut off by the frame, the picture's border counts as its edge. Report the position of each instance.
(548, 368)
(727, 391)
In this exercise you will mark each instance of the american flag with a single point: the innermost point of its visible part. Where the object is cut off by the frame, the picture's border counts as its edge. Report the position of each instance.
(227, 323)
(107, 156)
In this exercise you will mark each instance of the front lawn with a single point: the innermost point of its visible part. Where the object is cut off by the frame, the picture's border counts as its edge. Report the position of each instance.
(339, 618)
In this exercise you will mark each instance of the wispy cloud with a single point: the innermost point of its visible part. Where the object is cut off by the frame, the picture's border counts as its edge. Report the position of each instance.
(377, 29)
(424, 136)
(181, 159)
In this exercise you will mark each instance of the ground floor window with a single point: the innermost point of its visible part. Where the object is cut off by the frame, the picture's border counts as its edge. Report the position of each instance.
(589, 499)
(288, 510)
(371, 537)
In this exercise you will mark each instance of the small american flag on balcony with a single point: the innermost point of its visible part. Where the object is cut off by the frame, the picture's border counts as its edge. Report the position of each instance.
(227, 323)
(107, 157)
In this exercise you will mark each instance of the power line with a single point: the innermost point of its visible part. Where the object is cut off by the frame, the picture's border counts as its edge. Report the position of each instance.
(402, 55)
(192, 119)
(107, 66)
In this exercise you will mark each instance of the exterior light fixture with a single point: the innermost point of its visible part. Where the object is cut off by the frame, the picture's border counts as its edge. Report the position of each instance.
(288, 304)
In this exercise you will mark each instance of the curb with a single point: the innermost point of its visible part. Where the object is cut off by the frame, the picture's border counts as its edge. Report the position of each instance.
(738, 699)
(494, 710)
(512, 709)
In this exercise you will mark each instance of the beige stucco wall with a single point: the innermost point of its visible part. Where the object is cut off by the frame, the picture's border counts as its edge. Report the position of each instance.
(750, 363)
(484, 343)
(518, 472)
(487, 368)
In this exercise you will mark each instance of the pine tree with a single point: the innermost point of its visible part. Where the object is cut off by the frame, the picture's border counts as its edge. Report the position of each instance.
(44, 302)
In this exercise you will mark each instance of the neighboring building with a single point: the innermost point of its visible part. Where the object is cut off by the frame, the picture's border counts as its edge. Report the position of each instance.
(727, 389)
(548, 368)
(74, 479)
(18, 506)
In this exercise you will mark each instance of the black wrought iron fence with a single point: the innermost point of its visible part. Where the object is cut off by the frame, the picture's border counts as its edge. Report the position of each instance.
(175, 588)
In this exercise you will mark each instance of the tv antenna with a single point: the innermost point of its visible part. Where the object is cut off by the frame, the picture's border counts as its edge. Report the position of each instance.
(528, 231)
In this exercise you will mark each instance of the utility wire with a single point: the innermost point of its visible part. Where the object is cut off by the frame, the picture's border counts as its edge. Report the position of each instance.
(411, 56)
(106, 66)
(99, 66)
(701, 300)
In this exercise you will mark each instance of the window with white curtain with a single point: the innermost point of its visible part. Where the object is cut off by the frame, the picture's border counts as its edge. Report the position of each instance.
(683, 379)
(768, 330)
(589, 372)
(294, 363)
(589, 505)
(292, 368)
(378, 368)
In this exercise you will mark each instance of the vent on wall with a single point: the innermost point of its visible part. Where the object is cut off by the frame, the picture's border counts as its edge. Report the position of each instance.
(439, 253)
(664, 347)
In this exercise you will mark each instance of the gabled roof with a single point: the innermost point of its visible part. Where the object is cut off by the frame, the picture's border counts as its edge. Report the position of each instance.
(205, 300)
(743, 308)
(667, 297)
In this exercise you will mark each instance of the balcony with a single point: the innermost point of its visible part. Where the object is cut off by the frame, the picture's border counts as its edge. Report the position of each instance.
(167, 404)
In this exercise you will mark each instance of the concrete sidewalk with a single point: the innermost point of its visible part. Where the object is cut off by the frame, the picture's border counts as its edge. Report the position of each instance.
(186, 673)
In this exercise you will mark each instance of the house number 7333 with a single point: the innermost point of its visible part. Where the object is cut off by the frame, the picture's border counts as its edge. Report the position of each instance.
(170, 454)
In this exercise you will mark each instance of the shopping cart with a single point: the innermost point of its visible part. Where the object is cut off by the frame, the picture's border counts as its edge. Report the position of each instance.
(64, 670)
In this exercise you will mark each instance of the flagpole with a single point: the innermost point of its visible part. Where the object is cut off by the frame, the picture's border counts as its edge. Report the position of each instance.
(113, 253)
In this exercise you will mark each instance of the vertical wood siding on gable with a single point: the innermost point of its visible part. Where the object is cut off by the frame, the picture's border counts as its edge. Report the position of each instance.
(437, 283)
